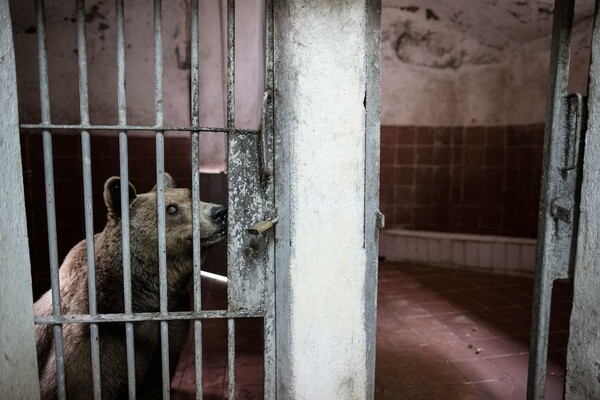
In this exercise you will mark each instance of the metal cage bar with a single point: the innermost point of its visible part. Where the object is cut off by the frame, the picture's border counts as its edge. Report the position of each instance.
(230, 63)
(124, 173)
(196, 256)
(145, 316)
(269, 361)
(50, 203)
(231, 357)
(85, 128)
(87, 193)
(124, 127)
(160, 197)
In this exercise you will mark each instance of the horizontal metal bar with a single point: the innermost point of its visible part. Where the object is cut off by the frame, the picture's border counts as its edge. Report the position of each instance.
(140, 317)
(140, 128)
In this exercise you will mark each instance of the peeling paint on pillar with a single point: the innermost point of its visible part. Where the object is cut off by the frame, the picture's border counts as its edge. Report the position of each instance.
(320, 78)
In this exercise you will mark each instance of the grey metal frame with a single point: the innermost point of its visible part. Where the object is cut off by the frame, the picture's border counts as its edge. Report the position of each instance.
(560, 193)
(249, 301)
(583, 363)
(372, 163)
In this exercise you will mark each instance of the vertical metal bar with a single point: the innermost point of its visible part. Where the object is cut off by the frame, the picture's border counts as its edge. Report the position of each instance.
(583, 352)
(158, 61)
(160, 197)
(198, 358)
(162, 259)
(230, 63)
(120, 34)
(549, 261)
(82, 61)
(164, 342)
(50, 204)
(196, 255)
(372, 144)
(43, 63)
(87, 194)
(124, 173)
(231, 357)
(269, 362)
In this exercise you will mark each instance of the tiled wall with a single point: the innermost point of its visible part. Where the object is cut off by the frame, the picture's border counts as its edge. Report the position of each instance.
(481, 180)
(498, 254)
(105, 163)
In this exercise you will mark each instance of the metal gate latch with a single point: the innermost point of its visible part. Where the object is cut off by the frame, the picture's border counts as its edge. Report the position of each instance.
(380, 220)
(262, 226)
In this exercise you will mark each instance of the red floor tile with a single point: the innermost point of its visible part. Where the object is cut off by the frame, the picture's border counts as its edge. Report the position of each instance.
(442, 334)
(440, 374)
(464, 334)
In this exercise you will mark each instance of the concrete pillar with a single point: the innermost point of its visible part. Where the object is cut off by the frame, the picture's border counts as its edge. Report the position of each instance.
(326, 114)
(18, 363)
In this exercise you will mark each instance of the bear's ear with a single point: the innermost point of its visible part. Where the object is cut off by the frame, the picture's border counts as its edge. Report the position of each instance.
(169, 182)
(112, 195)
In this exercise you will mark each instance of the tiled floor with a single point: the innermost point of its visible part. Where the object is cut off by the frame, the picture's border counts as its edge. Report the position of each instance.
(442, 334)
(249, 355)
(454, 334)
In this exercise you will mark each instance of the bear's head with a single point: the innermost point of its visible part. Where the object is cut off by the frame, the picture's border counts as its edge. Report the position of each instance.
(143, 219)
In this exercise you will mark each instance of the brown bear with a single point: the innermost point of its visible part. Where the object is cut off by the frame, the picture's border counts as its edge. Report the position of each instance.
(110, 299)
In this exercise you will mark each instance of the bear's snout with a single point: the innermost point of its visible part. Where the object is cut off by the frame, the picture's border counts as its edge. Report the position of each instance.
(219, 215)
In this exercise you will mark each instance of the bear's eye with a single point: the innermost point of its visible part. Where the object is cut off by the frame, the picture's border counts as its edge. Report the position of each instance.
(172, 209)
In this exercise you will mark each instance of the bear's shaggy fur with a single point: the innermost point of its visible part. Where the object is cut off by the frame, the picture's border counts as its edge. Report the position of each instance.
(109, 290)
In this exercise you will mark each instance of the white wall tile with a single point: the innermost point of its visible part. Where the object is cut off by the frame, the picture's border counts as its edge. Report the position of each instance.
(422, 249)
(513, 257)
(499, 256)
(484, 250)
(471, 254)
(458, 252)
(433, 250)
(384, 245)
(445, 251)
(410, 251)
(508, 255)
(528, 257)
